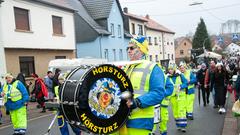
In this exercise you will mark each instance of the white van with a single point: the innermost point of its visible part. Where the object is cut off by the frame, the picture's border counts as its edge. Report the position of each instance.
(66, 65)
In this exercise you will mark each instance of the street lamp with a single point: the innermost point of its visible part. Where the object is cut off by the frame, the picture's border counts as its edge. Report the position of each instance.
(195, 3)
(204, 42)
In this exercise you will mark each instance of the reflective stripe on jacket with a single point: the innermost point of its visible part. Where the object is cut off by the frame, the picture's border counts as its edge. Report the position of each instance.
(139, 75)
(187, 75)
(11, 92)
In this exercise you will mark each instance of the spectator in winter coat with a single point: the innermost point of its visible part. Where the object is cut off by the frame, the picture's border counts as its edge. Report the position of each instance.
(40, 91)
(21, 77)
(49, 83)
(220, 83)
(209, 78)
(55, 81)
(200, 79)
(238, 85)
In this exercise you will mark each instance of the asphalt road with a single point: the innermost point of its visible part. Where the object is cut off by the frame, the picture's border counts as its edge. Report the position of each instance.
(206, 121)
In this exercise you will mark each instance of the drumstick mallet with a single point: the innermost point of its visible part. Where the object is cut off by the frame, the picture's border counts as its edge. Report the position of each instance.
(51, 124)
(126, 95)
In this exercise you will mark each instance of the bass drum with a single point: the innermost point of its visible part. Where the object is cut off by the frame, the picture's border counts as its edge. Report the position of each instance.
(90, 98)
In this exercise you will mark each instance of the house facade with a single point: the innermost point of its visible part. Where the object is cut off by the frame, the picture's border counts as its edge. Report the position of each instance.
(100, 31)
(183, 48)
(160, 38)
(35, 33)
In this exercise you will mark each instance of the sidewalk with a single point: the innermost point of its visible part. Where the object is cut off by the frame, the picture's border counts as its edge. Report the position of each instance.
(231, 124)
(33, 112)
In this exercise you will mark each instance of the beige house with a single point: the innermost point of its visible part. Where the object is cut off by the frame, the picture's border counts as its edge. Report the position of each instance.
(35, 33)
(161, 41)
(160, 38)
(183, 48)
(134, 24)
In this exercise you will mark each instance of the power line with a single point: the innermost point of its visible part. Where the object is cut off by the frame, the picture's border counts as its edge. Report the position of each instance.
(213, 14)
(196, 11)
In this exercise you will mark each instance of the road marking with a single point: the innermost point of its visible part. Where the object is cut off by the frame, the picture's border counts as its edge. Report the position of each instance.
(47, 115)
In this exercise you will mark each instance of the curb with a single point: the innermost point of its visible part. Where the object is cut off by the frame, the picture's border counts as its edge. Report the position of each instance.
(230, 126)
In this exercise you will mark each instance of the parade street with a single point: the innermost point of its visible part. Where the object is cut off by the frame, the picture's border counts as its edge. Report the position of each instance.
(206, 121)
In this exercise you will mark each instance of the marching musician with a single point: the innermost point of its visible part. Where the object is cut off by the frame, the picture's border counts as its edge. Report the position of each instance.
(147, 80)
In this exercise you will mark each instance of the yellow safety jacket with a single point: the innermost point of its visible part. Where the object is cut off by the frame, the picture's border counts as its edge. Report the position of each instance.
(56, 92)
(176, 85)
(187, 75)
(139, 75)
(13, 93)
(165, 101)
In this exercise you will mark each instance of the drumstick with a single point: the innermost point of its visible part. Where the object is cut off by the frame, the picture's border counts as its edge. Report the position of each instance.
(126, 95)
(50, 126)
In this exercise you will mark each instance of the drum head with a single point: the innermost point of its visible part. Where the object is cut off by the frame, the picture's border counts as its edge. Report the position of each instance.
(101, 109)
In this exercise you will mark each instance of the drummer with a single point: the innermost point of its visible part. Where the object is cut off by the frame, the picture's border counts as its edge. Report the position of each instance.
(62, 124)
(148, 84)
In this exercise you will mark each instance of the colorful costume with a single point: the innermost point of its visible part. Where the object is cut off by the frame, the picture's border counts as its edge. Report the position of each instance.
(164, 106)
(15, 97)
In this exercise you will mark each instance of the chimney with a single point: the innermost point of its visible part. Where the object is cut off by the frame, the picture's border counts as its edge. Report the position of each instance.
(147, 16)
(125, 10)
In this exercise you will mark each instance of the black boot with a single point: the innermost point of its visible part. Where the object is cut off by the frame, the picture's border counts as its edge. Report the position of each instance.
(43, 110)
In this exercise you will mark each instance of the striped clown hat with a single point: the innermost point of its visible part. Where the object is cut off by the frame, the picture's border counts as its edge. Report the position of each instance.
(141, 42)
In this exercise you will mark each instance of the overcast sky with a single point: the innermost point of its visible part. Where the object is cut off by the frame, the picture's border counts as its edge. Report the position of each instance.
(178, 16)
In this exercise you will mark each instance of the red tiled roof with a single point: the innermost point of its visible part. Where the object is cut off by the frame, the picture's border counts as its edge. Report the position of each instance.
(151, 24)
(136, 17)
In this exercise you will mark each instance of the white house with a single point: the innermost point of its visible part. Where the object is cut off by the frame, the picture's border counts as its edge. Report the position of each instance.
(33, 33)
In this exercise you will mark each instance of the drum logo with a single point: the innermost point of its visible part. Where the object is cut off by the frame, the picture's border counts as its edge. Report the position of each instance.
(104, 98)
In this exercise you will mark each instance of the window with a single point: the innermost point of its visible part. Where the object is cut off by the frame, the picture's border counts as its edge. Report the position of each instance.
(150, 57)
(140, 29)
(155, 40)
(150, 40)
(185, 43)
(112, 29)
(106, 54)
(168, 56)
(159, 39)
(57, 25)
(167, 43)
(60, 57)
(171, 43)
(172, 56)
(181, 52)
(156, 58)
(120, 54)
(27, 65)
(119, 31)
(21, 19)
(133, 28)
(114, 55)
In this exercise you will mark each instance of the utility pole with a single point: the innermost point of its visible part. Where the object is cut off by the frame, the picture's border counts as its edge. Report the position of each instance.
(163, 48)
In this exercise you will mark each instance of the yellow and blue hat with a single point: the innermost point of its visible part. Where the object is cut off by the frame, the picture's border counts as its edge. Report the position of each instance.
(8, 75)
(172, 66)
(183, 64)
(141, 42)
